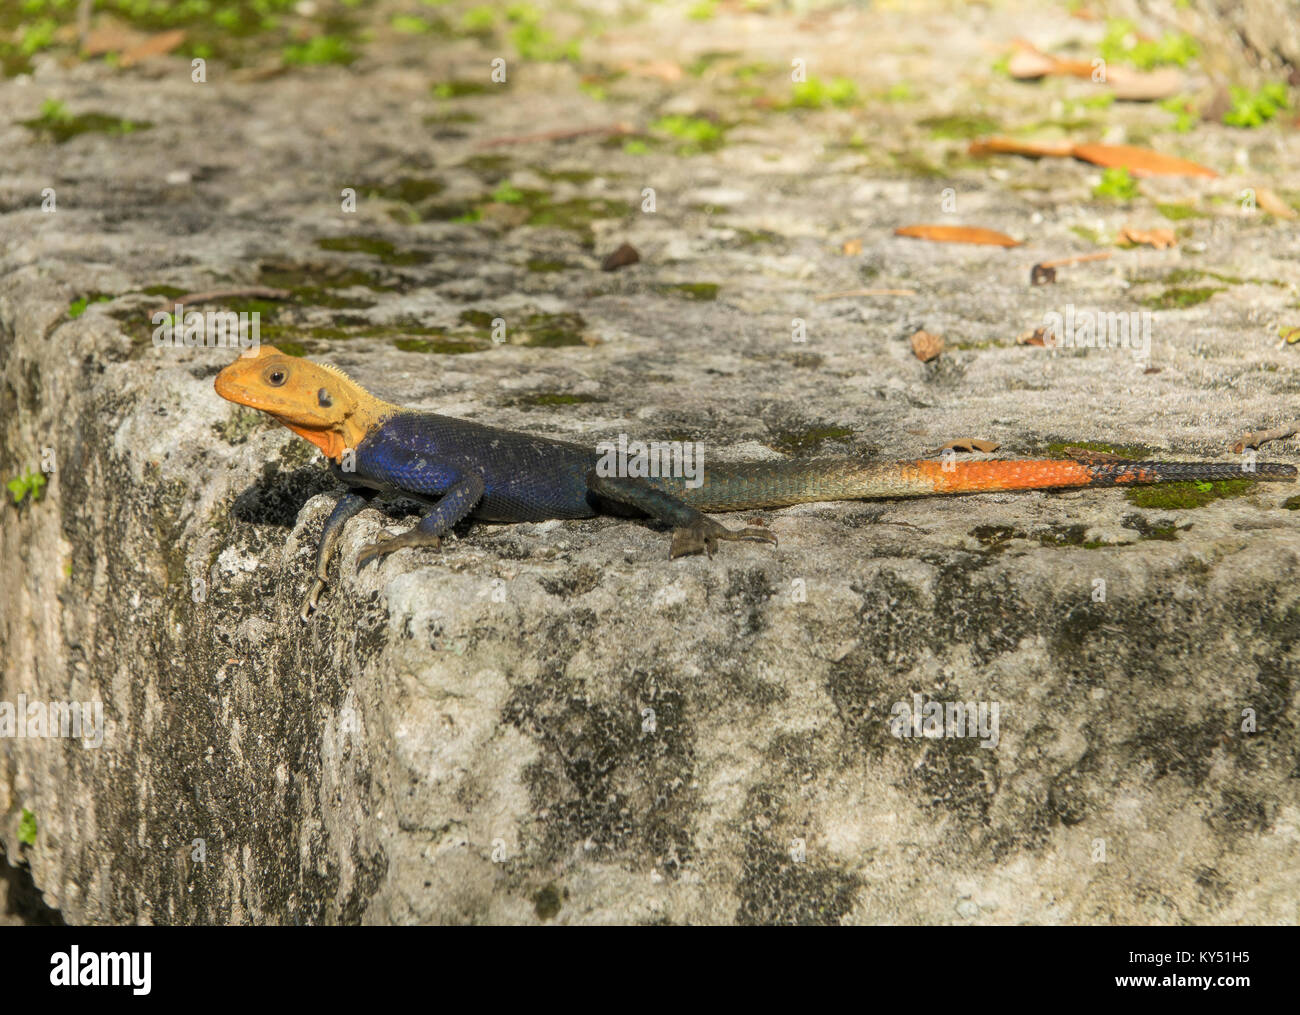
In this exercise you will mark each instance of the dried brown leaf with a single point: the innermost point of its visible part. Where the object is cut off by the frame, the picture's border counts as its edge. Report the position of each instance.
(1161, 239)
(927, 346)
(111, 38)
(155, 45)
(626, 254)
(1010, 146)
(1144, 86)
(1030, 64)
(957, 234)
(1139, 161)
(969, 444)
(1270, 202)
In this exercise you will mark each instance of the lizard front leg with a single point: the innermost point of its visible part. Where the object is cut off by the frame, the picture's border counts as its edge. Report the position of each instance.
(456, 503)
(693, 531)
(348, 505)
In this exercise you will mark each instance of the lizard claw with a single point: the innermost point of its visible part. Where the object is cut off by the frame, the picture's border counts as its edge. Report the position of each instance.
(313, 597)
(704, 536)
(379, 548)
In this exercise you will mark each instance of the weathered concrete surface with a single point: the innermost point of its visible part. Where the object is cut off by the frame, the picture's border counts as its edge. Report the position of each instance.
(491, 698)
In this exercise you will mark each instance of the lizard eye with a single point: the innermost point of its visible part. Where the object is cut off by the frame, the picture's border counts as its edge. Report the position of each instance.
(276, 377)
(323, 399)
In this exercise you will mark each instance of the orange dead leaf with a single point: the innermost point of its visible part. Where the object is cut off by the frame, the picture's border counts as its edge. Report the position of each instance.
(957, 234)
(1139, 161)
(1009, 146)
(1270, 202)
(155, 45)
(664, 70)
(1028, 61)
(1158, 238)
(927, 346)
(852, 247)
(110, 38)
(1030, 64)
(1144, 86)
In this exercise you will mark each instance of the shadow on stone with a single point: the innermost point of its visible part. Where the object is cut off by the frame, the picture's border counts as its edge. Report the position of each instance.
(20, 899)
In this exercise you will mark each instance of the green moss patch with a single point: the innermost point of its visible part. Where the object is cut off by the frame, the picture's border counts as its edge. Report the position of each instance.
(413, 190)
(548, 399)
(59, 125)
(459, 89)
(490, 167)
(1184, 496)
(318, 51)
(576, 214)
(808, 440)
(693, 134)
(316, 284)
(442, 347)
(1179, 298)
(705, 292)
(1131, 452)
(960, 127)
(78, 306)
(995, 537)
(1072, 535)
(375, 246)
(1179, 212)
(551, 331)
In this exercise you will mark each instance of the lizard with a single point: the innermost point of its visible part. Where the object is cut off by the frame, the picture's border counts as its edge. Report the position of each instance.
(464, 469)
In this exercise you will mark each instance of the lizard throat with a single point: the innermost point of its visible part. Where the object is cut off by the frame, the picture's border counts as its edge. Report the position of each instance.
(331, 443)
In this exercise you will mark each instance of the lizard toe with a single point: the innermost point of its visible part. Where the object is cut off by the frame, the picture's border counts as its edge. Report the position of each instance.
(754, 535)
(313, 597)
(379, 548)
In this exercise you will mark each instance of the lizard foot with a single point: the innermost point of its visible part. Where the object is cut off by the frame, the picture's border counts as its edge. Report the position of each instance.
(313, 597)
(388, 544)
(705, 535)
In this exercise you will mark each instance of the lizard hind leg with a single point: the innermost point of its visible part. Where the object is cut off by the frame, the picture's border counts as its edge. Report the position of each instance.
(693, 531)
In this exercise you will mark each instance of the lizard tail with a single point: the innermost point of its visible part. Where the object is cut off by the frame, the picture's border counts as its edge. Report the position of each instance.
(737, 487)
(972, 477)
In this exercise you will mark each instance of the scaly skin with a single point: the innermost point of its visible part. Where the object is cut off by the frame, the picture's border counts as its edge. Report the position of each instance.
(468, 470)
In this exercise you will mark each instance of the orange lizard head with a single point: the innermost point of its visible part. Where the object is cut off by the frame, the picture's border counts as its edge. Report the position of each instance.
(314, 400)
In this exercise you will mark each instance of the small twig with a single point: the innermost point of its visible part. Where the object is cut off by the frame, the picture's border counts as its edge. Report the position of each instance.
(847, 293)
(1044, 273)
(213, 295)
(84, 11)
(1078, 258)
(1258, 437)
(616, 129)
